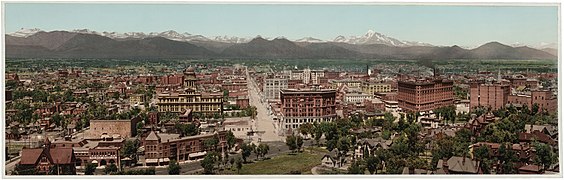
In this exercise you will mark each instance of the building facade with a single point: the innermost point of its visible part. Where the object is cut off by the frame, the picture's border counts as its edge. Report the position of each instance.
(273, 86)
(489, 95)
(190, 98)
(421, 96)
(306, 106)
(159, 151)
(543, 98)
(43, 159)
(370, 87)
(125, 128)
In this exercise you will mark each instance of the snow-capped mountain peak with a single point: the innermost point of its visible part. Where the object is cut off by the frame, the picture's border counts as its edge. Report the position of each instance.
(85, 31)
(373, 37)
(23, 32)
(310, 40)
(231, 39)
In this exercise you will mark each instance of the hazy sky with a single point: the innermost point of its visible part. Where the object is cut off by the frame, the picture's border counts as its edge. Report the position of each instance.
(438, 25)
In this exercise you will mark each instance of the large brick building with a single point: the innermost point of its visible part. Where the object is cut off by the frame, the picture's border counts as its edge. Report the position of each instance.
(306, 106)
(190, 98)
(125, 128)
(543, 98)
(425, 95)
(489, 95)
(160, 148)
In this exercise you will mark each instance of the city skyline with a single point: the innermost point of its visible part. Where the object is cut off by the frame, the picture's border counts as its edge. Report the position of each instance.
(467, 26)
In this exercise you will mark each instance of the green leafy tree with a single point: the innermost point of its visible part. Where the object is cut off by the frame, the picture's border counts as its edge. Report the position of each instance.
(129, 149)
(291, 142)
(112, 168)
(246, 151)
(231, 140)
(256, 150)
(187, 129)
(299, 143)
(208, 163)
(483, 155)
(305, 129)
(212, 143)
(263, 149)
(90, 169)
(372, 164)
(355, 168)
(238, 164)
(507, 159)
(544, 155)
(173, 168)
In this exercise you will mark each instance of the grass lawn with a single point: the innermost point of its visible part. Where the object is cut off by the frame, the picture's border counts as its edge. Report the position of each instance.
(285, 163)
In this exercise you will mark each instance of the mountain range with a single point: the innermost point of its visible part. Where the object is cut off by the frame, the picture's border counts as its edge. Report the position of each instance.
(84, 43)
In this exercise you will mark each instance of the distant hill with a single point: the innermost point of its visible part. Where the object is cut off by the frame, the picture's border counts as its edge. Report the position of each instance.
(63, 44)
(552, 51)
(75, 45)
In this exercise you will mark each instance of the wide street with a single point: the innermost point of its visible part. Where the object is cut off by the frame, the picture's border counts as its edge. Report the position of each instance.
(263, 121)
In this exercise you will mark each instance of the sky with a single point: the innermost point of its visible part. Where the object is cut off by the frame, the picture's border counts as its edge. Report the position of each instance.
(467, 26)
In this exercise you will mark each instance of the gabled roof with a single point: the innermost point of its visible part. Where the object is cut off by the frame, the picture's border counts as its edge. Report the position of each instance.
(30, 156)
(152, 137)
(332, 155)
(61, 155)
(462, 165)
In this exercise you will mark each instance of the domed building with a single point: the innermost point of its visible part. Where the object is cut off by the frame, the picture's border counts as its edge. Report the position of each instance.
(190, 98)
(190, 78)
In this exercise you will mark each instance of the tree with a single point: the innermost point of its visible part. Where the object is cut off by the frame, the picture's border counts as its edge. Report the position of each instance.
(173, 168)
(211, 144)
(482, 154)
(130, 149)
(57, 119)
(355, 168)
(187, 129)
(246, 151)
(534, 109)
(507, 159)
(317, 132)
(343, 146)
(231, 140)
(305, 129)
(291, 142)
(112, 168)
(263, 149)
(544, 155)
(139, 128)
(231, 161)
(150, 171)
(372, 164)
(90, 168)
(15, 131)
(238, 164)
(255, 150)
(208, 163)
(299, 143)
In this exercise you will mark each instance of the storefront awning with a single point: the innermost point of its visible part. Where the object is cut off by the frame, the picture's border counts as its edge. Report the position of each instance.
(197, 154)
(151, 160)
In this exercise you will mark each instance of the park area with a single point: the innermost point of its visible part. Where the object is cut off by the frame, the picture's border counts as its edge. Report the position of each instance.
(290, 163)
